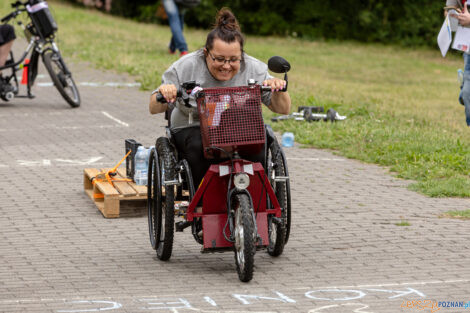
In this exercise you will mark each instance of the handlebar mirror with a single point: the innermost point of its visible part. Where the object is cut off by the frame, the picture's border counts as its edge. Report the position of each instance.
(278, 64)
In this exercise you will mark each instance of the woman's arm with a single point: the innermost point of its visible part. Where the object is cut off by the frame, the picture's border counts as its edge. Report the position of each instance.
(280, 102)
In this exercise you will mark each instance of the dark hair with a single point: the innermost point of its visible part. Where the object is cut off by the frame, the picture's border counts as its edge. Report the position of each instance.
(226, 28)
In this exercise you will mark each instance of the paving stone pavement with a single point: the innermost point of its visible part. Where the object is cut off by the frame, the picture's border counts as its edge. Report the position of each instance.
(345, 254)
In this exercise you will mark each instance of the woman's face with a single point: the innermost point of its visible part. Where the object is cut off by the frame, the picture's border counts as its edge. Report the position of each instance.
(223, 60)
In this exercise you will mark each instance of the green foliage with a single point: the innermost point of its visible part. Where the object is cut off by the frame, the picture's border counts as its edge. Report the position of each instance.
(403, 223)
(465, 214)
(405, 22)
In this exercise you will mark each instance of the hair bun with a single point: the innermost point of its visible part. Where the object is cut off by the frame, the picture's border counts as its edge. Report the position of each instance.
(226, 28)
(225, 19)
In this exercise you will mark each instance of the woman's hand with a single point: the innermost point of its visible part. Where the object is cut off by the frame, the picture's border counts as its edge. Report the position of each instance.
(464, 17)
(280, 101)
(168, 92)
(276, 84)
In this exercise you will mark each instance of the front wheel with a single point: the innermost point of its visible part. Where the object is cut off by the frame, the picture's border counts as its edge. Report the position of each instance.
(244, 246)
(62, 80)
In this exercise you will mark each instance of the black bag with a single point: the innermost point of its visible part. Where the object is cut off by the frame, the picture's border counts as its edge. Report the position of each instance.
(188, 3)
(42, 17)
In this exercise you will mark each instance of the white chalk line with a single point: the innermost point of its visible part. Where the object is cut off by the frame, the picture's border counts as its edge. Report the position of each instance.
(104, 164)
(114, 119)
(57, 162)
(57, 128)
(93, 84)
(432, 282)
(423, 283)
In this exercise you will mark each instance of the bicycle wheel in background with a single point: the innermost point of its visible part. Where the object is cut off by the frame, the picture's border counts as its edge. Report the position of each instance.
(62, 81)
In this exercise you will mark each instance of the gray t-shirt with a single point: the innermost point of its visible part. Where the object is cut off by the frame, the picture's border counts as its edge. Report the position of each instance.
(192, 67)
(454, 3)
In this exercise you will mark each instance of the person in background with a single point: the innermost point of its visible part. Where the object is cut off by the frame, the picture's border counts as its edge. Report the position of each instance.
(7, 36)
(464, 20)
(176, 21)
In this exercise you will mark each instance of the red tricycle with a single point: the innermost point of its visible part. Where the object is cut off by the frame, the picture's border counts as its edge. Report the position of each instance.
(240, 205)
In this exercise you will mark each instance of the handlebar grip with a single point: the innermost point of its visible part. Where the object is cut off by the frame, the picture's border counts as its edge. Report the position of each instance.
(8, 17)
(268, 88)
(265, 88)
(162, 99)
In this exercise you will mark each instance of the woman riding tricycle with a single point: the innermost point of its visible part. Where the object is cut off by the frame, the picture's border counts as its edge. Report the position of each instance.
(219, 167)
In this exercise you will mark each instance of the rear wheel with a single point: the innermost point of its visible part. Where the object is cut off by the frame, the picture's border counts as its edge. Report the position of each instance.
(165, 215)
(277, 229)
(244, 246)
(62, 81)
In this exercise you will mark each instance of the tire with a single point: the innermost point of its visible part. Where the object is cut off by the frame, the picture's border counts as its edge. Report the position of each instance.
(165, 213)
(277, 232)
(244, 245)
(62, 81)
(154, 196)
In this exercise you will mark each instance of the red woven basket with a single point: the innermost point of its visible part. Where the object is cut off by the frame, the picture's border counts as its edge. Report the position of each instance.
(231, 119)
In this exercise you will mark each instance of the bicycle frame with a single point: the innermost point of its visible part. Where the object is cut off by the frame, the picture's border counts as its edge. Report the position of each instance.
(31, 67)
(216, 207)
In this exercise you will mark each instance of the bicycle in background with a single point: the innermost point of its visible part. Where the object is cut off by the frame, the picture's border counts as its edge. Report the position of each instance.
(40, 33)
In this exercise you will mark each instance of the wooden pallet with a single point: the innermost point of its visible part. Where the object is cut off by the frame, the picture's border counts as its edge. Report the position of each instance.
(108, 197)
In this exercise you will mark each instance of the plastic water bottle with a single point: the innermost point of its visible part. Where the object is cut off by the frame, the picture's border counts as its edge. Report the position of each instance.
(141, 168)
(288, 139)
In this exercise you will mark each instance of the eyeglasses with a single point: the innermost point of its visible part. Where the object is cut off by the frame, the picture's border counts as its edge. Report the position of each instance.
(221, 60)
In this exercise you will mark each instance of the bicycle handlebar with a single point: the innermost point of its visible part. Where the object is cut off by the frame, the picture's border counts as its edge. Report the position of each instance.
(8, 17)
(182, 94)
(15, 13)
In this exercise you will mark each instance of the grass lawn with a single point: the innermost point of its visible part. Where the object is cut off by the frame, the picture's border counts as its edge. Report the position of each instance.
(401, 103)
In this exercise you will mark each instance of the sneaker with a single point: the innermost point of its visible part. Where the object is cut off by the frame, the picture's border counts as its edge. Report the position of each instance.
(183, 53)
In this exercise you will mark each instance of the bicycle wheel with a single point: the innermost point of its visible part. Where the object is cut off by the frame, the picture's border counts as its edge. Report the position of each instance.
(165, 213)
(62, 81)
(244, 246)
(154, 196)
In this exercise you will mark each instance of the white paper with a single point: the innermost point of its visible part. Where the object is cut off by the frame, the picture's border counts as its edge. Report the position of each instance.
(445, 37)
(462, 39)
(454, 22)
